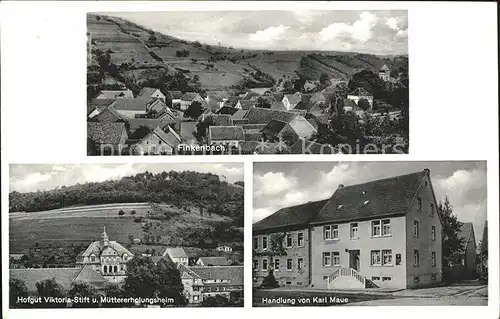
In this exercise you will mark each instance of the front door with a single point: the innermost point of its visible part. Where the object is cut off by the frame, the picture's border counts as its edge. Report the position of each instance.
(354, 259)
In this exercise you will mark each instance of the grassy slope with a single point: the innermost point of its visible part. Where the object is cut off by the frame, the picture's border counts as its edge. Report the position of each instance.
(127, 41)
(85, 224)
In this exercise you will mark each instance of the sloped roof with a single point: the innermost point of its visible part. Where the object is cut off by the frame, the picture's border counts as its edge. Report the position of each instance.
(302, 146)
(146, 92)
(99, 104)
(226, 133)
(293, 98)
(360, 92)
(302, 127)
(227, 110)
(214, 261)
(290, 216)
(109, 115)
(220, 94)
(274, 127)
(278, 106)
(384, 68)
(189, 96)
(105, 133)
(64, 276)
(240, 114)
(214, 98)
(258, 115)
(232, 273)
(175, 94)
(185, 269)
(130, 104)
(175, 252)
(278, 96)
(466, 232)
(96, 248)
(114, 94)
(169, 138)
(250, 95)
(219, 119)
(247, 104)
(386, 197)
(303, 105)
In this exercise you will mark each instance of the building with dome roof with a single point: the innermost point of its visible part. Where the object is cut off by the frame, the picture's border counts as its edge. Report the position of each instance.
(109, 258)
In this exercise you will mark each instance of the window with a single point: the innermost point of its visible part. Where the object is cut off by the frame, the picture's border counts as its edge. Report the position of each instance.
(376, 228)
(433, 259)
(289, 264)
(386, 227)
(398, 259)
(330, 232)
(416, 258)
(375, 278)
(416, 280)
(386, 278)
(433, 277)
(426, 184)
(432, 209)
(336, 258)
(387, 257)
(300, 263)
(300, 239)
(264, 264)
(419, 204)
(264, 242)
(416, 229)
(288, 240)
(376, 259)
(92, 258)
(255, 264)
(276, 264)
(354, 231)
(325, 277)
(433, 233)
(327, 259)
(255, 242)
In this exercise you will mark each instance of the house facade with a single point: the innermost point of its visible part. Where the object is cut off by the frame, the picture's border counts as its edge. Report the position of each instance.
(177, 255)
(188, 98)
(384, 73)
(384, 233)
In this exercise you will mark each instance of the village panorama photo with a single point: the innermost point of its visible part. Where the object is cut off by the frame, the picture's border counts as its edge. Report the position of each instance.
(247, 82)
(126, 235)
(370, 234)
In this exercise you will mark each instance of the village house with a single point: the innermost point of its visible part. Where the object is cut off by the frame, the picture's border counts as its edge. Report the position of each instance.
(351, 106)
(115, 94)
(188, 98)
(290, 131)
(177, 255)
(466, 268)
(159, 142)
(149, 94)
(97, 106)
(229, 136)
(383, 233)
(245, 104)
(384, 73)
(217, 119)
(109, 258)
(291, 100)
(224, 248)
(360, 93)
(212, 261)
(176, 98)
(109, 115)
(258, 115)
(130, 108)
(112, 137)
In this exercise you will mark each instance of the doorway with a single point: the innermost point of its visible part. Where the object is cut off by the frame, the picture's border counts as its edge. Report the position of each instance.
(354, 259)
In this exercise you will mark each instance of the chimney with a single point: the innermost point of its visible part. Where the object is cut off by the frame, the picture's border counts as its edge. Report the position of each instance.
(427, 171)
(341, 185)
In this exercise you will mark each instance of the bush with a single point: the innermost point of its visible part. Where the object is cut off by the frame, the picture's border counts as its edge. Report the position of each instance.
(132, 212)
(121, 212)
(269, 281)
(138, 219)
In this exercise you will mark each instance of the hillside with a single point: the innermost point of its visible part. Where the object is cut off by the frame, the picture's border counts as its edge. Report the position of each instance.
(142, 55)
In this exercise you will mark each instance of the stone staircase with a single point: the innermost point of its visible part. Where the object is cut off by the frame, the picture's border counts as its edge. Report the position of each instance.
(348, 278)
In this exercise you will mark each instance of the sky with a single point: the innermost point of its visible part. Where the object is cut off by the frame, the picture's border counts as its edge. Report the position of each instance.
(277, 185)
(33, 177)
(377, 32)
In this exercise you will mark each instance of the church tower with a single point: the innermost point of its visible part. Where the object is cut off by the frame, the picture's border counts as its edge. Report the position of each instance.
(104, 238)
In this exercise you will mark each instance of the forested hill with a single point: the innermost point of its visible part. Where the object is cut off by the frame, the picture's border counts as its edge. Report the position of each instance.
(178, 188)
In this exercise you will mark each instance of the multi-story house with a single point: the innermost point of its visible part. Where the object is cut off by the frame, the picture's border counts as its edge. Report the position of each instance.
(384, 233)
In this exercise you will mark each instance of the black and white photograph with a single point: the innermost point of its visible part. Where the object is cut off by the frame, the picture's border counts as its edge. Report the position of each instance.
(247, 82)
(370, 234)
(126, 235)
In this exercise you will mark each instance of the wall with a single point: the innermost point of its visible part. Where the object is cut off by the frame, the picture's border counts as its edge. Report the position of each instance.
(365, 243)
(295, 277)
(423, 243)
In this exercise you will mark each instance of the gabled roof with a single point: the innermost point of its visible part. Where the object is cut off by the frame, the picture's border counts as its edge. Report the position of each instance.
(384, 197)
(116, 94)
(170, 138)
(96, 248)
(183, 269)
(219, 119)
(305, 106)
(384, 68)
(175, 94)
(274, 127)
(258, 115)
(109, 115)
(105, 133)
(247, 104)
(234, 274)
(293, 98)
(213, 105)
(147, 93)
(240, 114)
(99, 104)
(130, 104)
(226, 133)
(467, 233)
(360, 92)
(278, 106)
(175, 252)
(189, 96)
(227, 110)
(214, 261)
(292, 216)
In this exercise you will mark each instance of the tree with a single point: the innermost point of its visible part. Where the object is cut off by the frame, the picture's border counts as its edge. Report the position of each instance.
(152, 38)
(453, 244)
(483, 253)
(132, 212)
(364, 104)
(121, 213)
(113, 290)
(17, 289)
(217, 301)
(83, 289)
(263, 103)
(324, 79)
(50, 288)
(169, 282)
(194, 110)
